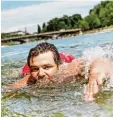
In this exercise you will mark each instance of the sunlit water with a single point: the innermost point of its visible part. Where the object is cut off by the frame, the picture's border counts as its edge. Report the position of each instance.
(55, 101)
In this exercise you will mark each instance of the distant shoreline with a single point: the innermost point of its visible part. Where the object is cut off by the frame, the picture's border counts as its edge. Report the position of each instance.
(105, 29)
(99, 30)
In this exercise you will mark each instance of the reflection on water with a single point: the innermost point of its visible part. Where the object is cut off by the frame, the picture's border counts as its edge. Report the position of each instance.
(55, 101)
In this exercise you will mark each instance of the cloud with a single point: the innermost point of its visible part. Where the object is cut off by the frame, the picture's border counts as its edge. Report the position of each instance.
(30, 16)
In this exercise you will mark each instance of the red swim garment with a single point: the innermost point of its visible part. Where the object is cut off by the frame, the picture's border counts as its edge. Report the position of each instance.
(64, 57)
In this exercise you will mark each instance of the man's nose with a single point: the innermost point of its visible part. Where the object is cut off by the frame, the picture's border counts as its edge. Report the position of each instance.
(41, 73)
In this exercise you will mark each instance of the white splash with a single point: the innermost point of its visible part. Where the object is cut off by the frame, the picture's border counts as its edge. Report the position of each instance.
(98, 53)
(111, 80)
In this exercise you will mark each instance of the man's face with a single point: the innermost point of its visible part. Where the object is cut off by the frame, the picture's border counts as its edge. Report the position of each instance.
(43, 66)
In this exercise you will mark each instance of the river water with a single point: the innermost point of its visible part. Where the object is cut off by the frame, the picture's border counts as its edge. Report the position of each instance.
(59, 101)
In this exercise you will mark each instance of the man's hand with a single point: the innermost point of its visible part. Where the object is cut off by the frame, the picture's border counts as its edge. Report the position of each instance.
(99, 71)
(91, 90)
(96, 78)
(95, 83)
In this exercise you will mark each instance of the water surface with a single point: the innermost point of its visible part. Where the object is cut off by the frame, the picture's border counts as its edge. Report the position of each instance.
(57, 101)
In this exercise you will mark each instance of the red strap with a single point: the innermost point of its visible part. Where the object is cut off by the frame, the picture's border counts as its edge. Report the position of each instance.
(25, 70)
(64, 57)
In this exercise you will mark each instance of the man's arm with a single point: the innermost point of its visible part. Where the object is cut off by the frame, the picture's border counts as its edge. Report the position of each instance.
(94, 84)
(23, 82)
(100, 70)
(76, 67)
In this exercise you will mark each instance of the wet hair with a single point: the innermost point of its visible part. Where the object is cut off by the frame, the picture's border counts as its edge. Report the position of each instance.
(43, 48)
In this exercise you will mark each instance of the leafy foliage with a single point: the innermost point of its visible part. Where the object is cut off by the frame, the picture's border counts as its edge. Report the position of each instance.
(100, 16)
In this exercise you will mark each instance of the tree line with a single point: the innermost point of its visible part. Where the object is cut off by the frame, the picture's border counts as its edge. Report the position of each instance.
(100, 16)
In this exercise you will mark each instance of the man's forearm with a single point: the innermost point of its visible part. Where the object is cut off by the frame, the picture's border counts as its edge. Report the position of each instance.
(21, 83)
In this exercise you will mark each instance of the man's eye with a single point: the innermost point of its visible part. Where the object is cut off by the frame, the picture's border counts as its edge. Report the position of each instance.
(46, 67)
(34, 70)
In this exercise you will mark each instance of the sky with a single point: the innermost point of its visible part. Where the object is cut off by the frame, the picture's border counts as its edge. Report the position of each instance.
(18, 15)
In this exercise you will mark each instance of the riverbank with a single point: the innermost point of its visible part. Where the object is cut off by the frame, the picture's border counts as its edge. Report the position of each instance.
(105, 29)
(99, 30)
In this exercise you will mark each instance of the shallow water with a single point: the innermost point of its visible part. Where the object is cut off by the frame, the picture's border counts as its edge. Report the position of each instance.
(55, 101)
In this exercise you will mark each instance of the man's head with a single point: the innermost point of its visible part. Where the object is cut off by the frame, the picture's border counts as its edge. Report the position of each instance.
(43, 60)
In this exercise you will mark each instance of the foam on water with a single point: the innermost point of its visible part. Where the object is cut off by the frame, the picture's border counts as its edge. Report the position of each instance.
(111, 80)
(98, 53)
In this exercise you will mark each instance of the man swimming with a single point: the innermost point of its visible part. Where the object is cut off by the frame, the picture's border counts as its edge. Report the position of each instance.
(46, 67)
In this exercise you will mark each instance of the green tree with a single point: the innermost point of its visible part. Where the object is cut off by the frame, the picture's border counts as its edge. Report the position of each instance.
(93, 21)
(61, 25)
(104, 12)
(75, 19)
(83, 24)
(100, 16)
(53, 24)
(44, 27)
(39, 28)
